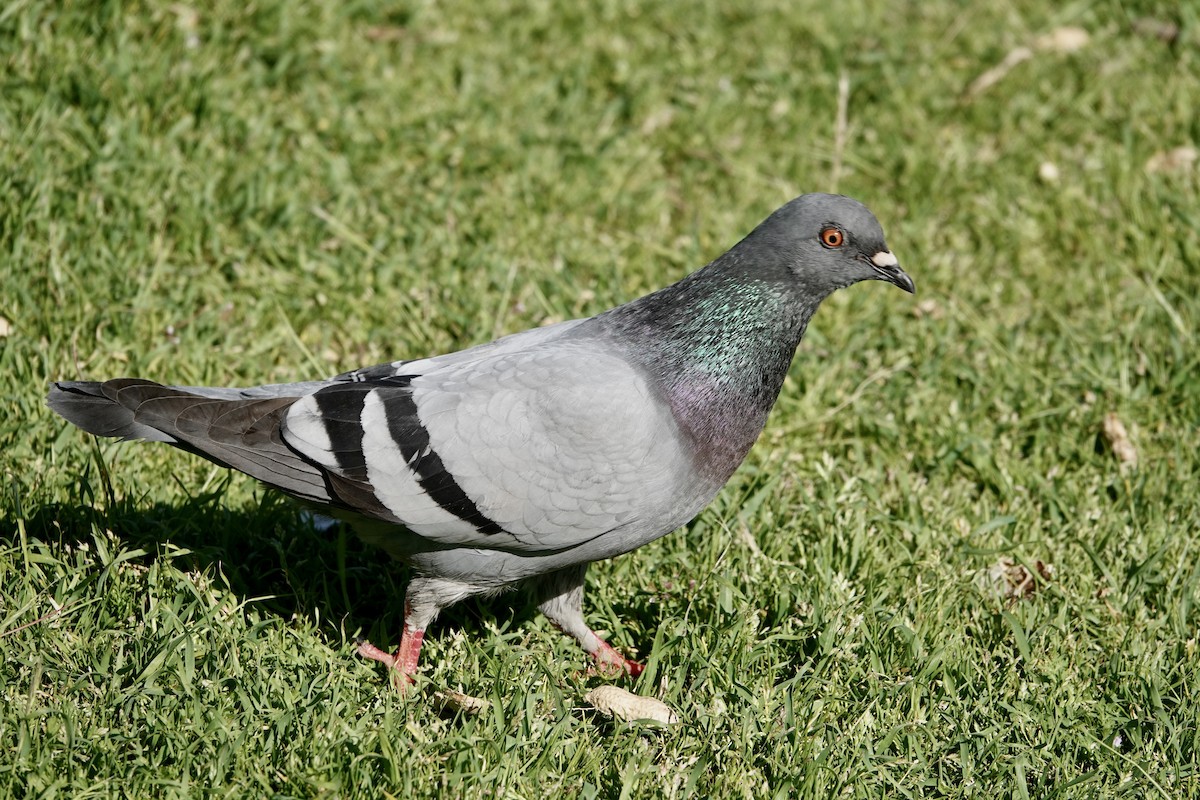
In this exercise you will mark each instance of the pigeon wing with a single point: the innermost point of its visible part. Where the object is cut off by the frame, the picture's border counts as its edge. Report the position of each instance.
(534, 450)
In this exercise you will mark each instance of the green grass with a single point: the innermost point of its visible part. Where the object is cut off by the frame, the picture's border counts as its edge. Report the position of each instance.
(281, 190)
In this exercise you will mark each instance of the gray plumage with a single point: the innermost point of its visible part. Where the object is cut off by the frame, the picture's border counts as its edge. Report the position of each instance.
(527, 458)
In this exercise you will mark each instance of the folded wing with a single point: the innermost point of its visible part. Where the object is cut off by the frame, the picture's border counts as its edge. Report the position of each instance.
(529, 448)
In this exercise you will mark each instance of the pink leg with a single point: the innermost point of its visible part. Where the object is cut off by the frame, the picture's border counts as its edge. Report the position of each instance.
(406, 658)
(560, 598)
(368, 650)
(610, 662)
(407, 655)
(423, 600)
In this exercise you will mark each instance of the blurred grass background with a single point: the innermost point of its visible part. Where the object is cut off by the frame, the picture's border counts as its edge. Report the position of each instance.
(237, 193)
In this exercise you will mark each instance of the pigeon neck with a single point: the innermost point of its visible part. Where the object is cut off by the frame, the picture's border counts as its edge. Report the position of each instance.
(719, 344)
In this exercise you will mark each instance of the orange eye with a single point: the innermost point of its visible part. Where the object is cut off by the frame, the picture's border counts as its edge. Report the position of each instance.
(832, 237)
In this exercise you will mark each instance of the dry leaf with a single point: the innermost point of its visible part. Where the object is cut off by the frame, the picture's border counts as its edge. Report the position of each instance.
(5, 328)
(451, 700)
(1158, 28)
(996, 74)
(1117, 438)
(616, 702)
(927, 308)
(1059, 40)
(186, 17)
(1063, 40)
(1013, 581)
(386, 33)
(658, 120)
(1048, 172)
(1179, 159)
(187, 20)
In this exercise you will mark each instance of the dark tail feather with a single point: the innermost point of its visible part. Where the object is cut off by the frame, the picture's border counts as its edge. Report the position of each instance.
(87, 405)
(242, 434)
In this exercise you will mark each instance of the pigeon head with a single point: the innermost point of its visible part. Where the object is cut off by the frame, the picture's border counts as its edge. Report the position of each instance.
(825, 242)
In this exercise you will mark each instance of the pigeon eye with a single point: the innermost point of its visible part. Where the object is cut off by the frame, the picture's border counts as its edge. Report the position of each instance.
(832, 237)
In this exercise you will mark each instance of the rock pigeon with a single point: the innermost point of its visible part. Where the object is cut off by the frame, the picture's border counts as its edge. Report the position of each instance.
(520, 461)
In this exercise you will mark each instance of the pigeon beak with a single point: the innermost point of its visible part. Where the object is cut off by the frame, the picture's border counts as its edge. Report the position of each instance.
(889, 270)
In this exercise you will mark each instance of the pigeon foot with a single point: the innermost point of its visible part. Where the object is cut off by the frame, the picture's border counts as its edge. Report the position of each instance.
(612, 664)
(404, 663)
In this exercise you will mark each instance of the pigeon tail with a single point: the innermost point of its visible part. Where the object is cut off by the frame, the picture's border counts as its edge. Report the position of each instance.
(241, 434)
(85, 404)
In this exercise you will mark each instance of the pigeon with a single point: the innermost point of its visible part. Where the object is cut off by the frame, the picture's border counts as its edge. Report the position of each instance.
(521, 461)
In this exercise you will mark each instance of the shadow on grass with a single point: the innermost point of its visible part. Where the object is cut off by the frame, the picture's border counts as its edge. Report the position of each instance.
(273, 556)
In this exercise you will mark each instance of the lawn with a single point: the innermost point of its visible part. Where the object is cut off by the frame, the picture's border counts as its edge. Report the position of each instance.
(935, 576)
